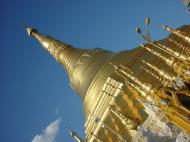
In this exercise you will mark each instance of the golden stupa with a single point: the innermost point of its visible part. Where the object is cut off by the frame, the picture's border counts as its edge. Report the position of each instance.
(135, 95)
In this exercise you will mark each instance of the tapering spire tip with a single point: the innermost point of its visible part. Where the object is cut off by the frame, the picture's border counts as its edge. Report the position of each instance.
(164, 26)
(30, 30)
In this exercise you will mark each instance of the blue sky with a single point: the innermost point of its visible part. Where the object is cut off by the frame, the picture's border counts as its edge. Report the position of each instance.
(34, 90)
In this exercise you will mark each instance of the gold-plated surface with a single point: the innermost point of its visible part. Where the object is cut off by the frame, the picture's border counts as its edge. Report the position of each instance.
(123, 91)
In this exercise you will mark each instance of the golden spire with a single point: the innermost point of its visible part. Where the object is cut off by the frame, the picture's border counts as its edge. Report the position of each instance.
(177, 33)
(184, 48)
(74, 135)
(179, 55)
(63, 53)
(140, 86)
(80, 64)
(163, 48)
(160, 71)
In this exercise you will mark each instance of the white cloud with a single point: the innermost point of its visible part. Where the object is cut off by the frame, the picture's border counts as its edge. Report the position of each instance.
(49, 134)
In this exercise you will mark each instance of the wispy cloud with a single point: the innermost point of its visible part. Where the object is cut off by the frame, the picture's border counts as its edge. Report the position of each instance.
(57, 110)
(49, 134)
